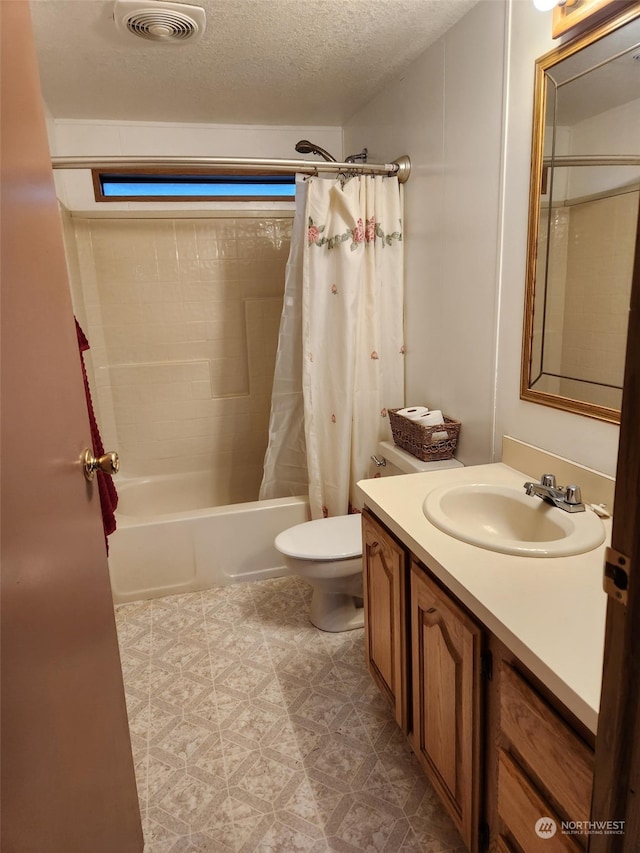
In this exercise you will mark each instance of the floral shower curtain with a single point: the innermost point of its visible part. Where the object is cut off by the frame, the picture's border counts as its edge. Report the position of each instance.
(352, 351)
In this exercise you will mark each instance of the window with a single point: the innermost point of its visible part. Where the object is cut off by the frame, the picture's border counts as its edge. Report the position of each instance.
(141, 186)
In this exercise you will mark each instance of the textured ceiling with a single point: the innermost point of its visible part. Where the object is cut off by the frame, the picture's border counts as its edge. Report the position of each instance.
(260, 61)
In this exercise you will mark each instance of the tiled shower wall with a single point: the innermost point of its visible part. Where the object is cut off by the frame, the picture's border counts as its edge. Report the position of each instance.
(182, 316)
(585, 314)
(598, 289)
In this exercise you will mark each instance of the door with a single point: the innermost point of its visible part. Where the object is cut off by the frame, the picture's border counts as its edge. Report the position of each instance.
(68, 783)
(616, 794)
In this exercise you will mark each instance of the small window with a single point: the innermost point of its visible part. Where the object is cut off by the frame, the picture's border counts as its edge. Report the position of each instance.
(139, 186)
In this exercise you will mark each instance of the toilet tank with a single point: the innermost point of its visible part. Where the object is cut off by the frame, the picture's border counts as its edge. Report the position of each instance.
(398, 461)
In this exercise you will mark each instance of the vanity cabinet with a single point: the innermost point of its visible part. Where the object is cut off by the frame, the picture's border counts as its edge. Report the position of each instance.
(499, 749)
(543, 768)
(385, 620)
(446, 691)
(423, 652)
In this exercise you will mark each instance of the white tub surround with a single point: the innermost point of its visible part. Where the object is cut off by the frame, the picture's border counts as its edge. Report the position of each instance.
(549, 612)
(172, 539)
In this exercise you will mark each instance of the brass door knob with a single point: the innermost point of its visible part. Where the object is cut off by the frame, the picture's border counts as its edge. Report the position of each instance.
(109, 463)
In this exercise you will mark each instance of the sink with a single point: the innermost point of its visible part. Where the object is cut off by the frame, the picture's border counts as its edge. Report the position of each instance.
(505, 519)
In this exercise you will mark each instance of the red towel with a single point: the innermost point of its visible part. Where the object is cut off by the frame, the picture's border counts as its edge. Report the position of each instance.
(106, 489)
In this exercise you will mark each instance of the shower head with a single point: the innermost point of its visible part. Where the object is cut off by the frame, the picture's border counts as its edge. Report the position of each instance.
(306, 147)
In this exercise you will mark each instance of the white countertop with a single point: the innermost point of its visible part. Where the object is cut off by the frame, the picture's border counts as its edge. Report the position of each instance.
(549, 611)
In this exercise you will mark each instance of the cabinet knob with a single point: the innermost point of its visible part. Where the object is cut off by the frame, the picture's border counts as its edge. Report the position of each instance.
(374, 548)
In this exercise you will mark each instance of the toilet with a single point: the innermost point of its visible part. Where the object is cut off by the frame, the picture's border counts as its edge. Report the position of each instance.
(327, 552)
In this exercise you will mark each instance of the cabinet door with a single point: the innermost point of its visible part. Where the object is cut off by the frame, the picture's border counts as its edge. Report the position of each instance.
(445, 649)
(384, 579)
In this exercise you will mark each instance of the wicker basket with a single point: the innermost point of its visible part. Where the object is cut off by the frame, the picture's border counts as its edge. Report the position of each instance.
(416, 438)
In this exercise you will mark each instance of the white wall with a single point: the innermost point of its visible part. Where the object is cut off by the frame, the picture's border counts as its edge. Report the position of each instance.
(70, 137)
(463, 112)
(585, 440)
(615, 131)
(446, 113)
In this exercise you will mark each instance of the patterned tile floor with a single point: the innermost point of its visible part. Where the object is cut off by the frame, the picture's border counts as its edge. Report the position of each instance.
(254, 732)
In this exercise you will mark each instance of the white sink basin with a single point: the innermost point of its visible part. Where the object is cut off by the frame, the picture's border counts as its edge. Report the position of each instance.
(505, 519)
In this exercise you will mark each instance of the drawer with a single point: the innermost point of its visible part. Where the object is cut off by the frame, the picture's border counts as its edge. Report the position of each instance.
(520, 806)
(548, 748)
(501, 845)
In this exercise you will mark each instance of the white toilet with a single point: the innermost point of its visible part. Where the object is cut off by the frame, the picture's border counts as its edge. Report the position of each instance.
(327, 552)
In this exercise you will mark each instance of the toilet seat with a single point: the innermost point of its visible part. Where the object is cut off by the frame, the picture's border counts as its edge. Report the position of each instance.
(335, 538)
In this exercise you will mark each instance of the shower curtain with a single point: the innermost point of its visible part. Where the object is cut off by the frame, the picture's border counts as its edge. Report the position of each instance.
(349, 355)
(285, 462)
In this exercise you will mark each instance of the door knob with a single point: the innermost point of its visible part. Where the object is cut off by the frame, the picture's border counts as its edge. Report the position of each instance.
(109, 463)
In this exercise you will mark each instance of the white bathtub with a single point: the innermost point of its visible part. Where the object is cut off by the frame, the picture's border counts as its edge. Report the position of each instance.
(172, 538)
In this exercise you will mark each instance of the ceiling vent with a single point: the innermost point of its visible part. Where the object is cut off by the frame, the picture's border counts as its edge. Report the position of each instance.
(169, 23)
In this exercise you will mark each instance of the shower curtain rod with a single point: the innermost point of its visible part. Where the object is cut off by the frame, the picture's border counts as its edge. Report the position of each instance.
(592, 160)
(400, 167)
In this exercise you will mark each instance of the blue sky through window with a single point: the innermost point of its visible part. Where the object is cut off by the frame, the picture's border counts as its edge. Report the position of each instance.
(164, 186)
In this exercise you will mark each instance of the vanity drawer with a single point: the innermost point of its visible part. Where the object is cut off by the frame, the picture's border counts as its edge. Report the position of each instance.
(520, 806)
(548, 748)
(501, 845)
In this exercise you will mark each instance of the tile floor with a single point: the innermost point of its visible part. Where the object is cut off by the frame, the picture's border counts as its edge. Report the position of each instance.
(254, 732)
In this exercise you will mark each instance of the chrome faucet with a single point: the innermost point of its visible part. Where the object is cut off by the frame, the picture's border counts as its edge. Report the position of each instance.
(569, 499)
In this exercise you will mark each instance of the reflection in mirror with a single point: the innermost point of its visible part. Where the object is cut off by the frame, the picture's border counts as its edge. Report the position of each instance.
(583, 220)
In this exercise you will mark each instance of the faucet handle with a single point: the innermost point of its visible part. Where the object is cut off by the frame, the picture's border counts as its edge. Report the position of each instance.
(573, 495)
(548, 480)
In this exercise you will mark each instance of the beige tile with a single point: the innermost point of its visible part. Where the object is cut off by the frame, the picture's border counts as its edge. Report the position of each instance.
(188, 801)
(176, 289)
(366, 823)
(247, 735)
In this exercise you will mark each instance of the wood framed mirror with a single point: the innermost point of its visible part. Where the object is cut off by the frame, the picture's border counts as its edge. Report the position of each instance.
(584, 238)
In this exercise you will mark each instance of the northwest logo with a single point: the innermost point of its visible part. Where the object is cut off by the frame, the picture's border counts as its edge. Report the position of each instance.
(546, 827)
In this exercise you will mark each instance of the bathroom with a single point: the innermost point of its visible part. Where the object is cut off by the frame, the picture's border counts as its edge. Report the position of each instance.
(462, 111)
(140, 343)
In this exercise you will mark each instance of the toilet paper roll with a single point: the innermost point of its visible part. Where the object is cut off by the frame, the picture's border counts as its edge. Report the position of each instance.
(432, 419)
(413, 412)
(439, 436)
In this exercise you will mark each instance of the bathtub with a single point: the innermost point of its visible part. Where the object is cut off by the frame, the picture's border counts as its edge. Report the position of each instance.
(171, 537)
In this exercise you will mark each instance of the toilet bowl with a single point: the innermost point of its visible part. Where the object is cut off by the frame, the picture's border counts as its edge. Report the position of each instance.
(327, 552)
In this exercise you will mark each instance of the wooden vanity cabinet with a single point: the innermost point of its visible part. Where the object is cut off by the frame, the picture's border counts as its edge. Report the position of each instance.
(539, 764)
(385, 616)
(446, 689)
(500, 750)
(423, 652)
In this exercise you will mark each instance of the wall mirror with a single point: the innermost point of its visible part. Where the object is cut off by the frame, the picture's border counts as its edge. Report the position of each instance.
(584, 243)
